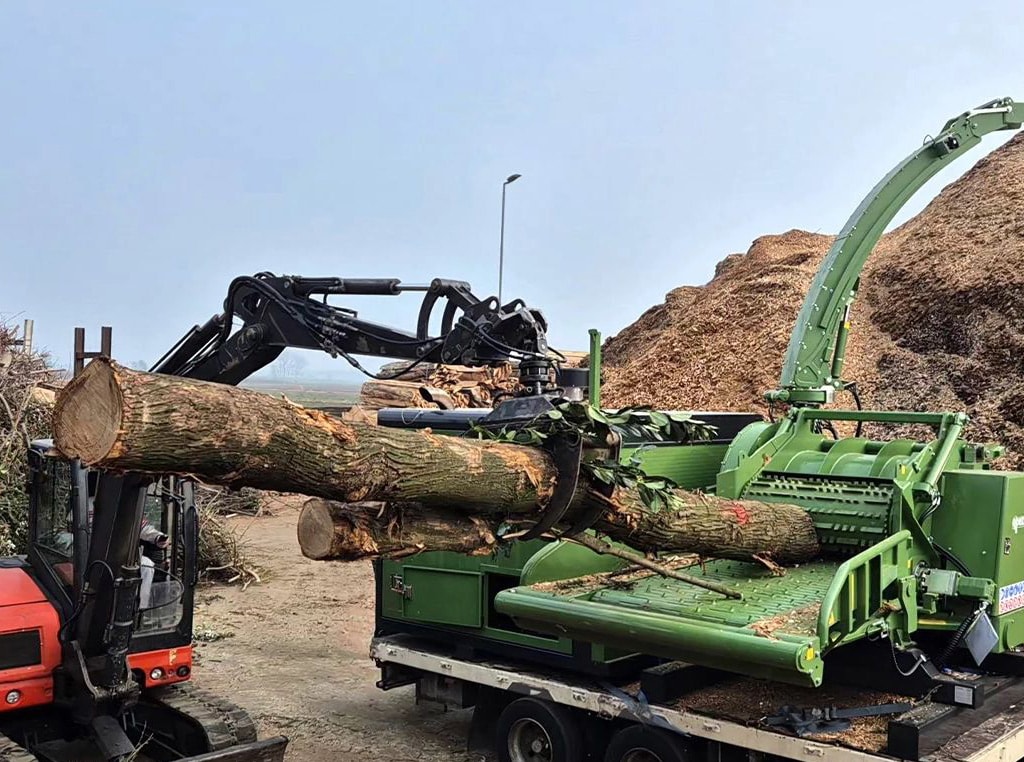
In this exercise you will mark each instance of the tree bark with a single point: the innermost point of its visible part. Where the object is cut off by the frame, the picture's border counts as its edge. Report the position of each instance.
(356, 531)
(125, 420)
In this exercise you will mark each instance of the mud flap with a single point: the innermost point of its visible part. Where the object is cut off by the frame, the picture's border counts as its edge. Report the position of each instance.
(270, 750)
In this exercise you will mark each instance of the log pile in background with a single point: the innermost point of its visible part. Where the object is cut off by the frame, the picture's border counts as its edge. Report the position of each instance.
(115, 418)
(938, 323)
(438, 386)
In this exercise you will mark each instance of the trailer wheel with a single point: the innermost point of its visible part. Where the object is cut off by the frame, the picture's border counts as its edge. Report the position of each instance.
(639, 743)
(531, 730)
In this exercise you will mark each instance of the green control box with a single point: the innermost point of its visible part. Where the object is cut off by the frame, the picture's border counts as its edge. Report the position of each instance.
(981, 523)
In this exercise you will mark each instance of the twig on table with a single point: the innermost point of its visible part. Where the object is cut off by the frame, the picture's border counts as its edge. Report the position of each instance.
(604, 548)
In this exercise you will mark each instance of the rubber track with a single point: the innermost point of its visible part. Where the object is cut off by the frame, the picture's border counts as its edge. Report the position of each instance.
(12, 752)
(224, 723)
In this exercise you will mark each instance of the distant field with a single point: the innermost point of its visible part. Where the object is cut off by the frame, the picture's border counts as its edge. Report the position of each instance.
(309, 393)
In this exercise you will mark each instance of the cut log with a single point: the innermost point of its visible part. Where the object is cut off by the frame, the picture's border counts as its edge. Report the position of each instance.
(356, 531)
(444, 386)
(115, 418)
(377, 394)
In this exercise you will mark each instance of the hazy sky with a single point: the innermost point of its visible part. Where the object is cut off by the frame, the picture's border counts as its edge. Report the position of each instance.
(150, 152)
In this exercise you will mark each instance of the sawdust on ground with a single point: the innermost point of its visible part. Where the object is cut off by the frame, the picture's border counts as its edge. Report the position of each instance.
(748, 700)
(938, 323)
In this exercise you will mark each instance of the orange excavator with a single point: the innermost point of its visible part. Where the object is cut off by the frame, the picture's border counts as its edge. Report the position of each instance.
(96, 618)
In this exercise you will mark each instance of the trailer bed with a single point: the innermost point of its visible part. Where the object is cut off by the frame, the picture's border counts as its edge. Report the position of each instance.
(731, 711)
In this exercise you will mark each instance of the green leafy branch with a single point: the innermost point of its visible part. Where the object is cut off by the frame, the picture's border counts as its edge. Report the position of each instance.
(598, 428)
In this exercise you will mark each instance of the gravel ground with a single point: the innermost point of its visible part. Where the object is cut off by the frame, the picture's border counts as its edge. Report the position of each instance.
(294, 652)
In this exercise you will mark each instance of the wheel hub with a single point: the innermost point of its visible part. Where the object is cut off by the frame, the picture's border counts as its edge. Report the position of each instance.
(528, 741)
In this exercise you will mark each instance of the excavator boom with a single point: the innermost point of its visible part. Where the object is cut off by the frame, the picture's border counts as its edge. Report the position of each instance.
(813, 366)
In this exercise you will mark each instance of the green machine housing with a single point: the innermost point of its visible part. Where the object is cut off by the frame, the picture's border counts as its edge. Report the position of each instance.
(451, 597)
(920, 542)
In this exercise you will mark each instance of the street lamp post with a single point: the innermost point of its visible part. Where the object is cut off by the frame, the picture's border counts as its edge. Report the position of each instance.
(501, 245)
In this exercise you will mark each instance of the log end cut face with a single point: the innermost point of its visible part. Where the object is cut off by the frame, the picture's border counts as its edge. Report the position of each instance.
(87, 415)
(316, 530)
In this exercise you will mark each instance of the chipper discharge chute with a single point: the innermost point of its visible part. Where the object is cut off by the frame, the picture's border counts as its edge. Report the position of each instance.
(918, 536)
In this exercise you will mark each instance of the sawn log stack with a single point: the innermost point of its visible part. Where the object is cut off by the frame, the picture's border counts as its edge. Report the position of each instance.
(439, 492)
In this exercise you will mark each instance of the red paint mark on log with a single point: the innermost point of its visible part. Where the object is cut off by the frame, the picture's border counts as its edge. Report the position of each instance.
(742, 517)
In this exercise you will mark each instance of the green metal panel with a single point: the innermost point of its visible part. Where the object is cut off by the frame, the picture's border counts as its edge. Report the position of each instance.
(505, 566)
(443, 596)
(981, 521)
(771, 633)
(565, 560)
(969, 521)
(690, 466)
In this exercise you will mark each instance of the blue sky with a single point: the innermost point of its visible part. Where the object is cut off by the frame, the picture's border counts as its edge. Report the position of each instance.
(150, 152)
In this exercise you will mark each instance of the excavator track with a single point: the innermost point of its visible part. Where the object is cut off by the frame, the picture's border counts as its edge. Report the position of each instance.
(12, 752)
(221, 722)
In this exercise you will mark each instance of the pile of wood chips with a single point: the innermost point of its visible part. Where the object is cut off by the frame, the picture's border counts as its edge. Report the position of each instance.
(938, 323)
(749, 701)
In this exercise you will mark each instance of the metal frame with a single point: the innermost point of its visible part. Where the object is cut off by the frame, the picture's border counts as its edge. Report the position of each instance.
(588, 697)
(81, 355)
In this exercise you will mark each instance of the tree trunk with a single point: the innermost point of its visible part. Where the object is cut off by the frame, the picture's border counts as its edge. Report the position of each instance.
(355, 531)
(125, 420)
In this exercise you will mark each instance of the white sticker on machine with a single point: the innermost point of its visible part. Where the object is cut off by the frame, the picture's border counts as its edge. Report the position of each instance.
(1011, 597)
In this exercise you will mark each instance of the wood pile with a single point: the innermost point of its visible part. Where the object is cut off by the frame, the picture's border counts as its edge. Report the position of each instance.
(438, 386)
(938, 323)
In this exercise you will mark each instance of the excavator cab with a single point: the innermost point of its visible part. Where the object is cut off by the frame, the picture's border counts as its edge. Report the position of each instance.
(43, 595)
(63, 495)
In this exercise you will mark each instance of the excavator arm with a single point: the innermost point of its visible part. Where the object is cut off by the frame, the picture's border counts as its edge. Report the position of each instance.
(280, 312)
(263, 315)
(813, 366)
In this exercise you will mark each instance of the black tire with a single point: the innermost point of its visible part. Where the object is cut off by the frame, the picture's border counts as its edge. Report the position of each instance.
(639, 743)
(531, 730)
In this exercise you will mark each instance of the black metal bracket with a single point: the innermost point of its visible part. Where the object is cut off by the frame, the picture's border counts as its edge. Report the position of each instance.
(589, 516)
(81, 355)
(567, 453)
(829, 719)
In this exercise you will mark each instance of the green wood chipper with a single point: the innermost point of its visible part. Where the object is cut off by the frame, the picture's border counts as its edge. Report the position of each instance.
(923, 565)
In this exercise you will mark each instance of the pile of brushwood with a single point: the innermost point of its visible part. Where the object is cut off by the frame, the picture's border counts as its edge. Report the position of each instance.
(222, 556)
(25, 410)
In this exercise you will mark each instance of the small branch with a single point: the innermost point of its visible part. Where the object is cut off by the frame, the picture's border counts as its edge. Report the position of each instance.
(766, 560)
(603, 548)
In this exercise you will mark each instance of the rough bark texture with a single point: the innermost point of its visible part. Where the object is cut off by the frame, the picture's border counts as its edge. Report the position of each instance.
(119, 419)
(377, 394)
(354, 531)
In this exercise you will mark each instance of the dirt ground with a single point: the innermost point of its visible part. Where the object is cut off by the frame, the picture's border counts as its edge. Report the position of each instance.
(294, 652)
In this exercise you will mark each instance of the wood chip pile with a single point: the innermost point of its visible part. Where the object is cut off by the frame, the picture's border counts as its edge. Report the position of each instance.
(938, 323)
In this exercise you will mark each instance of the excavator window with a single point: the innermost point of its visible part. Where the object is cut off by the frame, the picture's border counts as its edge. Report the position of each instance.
(53, 530)
(53, 518)
(162, 589)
